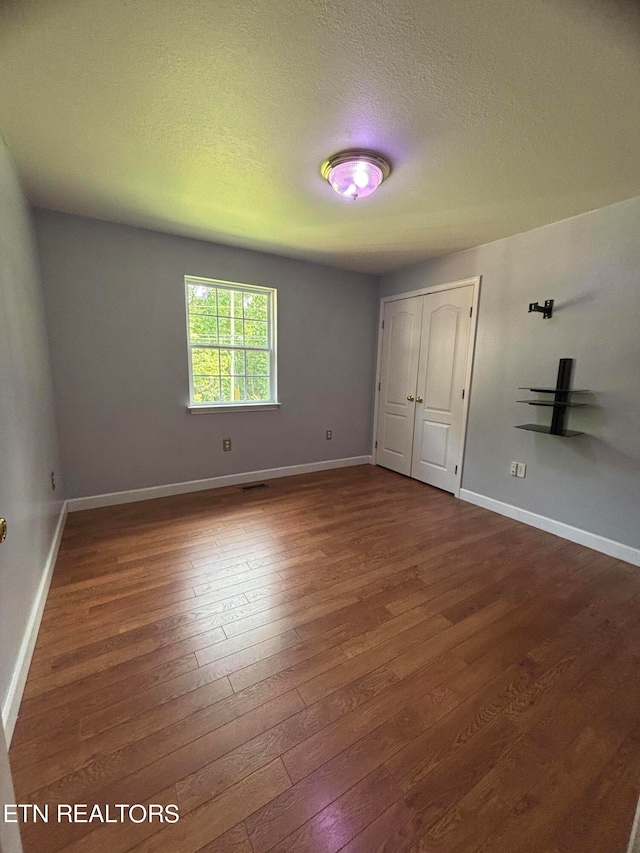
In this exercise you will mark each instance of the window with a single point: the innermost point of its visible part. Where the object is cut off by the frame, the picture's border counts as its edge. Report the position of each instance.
(231, 335)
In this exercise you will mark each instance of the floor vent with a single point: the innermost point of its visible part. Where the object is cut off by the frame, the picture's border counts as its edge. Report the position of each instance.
(253, 486)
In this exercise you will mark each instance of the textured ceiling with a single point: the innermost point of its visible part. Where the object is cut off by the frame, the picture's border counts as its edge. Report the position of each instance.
(210, 118)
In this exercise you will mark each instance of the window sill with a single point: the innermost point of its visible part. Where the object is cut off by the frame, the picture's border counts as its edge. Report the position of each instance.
(236, 407)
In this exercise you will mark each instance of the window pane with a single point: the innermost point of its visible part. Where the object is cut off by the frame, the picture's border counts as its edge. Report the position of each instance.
(203, 329)
(258, 363)
(237, 303)
(237, 363)
(201, 298)
(238, 333)
(225, 390)
(255, 306)
(255, 333)
(257, 388)
(224, 302)
(224, 329)
(205, 361)
(225, 362)
(239, 390)
(206, 389)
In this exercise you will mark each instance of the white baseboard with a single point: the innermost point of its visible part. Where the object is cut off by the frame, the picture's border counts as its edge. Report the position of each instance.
(21, 669)
(634, 841)
(113, 498)
(566, 531)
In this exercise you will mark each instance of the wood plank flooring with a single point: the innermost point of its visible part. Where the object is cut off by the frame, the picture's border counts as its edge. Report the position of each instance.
(342, 661)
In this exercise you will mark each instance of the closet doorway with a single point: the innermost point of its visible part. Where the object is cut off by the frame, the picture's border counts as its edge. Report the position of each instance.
(425, 356)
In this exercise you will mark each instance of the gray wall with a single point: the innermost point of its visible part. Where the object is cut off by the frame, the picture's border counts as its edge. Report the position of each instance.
(590, 266)
(28, 444)
(116, 315)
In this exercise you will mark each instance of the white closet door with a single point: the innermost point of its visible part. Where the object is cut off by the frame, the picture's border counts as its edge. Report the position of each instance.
(396, 407)
(439, 408)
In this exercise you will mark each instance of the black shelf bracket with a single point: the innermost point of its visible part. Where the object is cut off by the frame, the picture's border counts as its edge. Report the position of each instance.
(546, 310)
(558, 419)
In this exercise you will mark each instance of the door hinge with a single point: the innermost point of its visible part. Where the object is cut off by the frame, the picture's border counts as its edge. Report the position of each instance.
(456, 471)
(463, 393)
(378, 386)
(376, 445)
(471, 311)
(383, 324)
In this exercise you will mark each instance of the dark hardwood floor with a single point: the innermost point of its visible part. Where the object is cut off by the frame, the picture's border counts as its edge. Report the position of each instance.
(347, 660)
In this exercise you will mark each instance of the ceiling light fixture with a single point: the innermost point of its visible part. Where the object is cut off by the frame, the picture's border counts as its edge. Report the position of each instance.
(355, 173)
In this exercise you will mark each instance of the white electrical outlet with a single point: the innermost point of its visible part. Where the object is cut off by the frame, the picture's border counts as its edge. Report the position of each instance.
(514, 469)
(522, 470)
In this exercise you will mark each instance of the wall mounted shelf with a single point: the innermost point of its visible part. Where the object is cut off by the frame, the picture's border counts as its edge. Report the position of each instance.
(549, 403)
(554, 391)
(567, 433)
(561, 402)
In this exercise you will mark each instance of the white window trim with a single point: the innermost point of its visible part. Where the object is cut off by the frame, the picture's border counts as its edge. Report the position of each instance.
(272, 321)
(208, 408)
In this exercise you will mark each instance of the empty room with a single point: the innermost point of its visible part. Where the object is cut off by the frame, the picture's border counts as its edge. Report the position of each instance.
(319, 426)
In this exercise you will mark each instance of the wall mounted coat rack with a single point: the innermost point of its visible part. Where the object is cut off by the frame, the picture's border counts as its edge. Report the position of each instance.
(546, 310)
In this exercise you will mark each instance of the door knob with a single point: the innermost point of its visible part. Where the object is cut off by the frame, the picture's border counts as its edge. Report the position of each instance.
(411, 398)
(418, 399)
(3, 529)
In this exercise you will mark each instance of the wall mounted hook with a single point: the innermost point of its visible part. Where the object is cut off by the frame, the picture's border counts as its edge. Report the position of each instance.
(546, 311)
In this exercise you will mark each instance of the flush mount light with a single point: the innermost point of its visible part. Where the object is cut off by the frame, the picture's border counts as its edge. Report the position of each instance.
(355, 173)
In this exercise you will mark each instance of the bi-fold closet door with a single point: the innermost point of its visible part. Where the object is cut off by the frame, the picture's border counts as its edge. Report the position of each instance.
(426, 346)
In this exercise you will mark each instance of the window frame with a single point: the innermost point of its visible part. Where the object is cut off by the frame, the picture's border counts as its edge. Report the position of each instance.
(272, 330)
